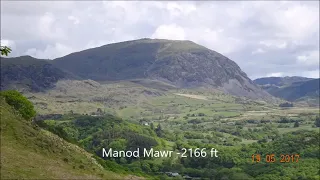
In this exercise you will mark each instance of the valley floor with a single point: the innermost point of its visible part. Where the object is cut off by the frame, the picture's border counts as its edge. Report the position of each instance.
(160, 117)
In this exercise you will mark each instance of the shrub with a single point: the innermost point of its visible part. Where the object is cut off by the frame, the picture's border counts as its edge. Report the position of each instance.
(283, 126)
(286, 104)
(285, 120)
(19, 103)
(195, 121)
(66, 160)
(317, 121)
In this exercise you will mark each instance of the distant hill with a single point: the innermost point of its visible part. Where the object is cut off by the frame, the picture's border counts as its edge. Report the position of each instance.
(29, 152)
(280, 81)
(292, 88)
(299, 90)
(29, 73)
(183, 64)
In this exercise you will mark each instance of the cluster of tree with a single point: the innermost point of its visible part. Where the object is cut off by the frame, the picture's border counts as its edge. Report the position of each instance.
(193, 135)
(195, 121)
(96, 132)
(19, 103)
(286, 120)
(235, 161)
(195, 115)
(286, 104)
(252, 133)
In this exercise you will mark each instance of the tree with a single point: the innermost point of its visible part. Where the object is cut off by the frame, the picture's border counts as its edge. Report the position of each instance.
(19, 103)
(317, 122)
(296, 124)
(118, 145)
(152, 126)
(159, 130)
(5, 50)
(99, 111)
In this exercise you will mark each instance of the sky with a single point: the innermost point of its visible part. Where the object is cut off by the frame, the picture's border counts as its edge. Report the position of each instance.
(265, 38)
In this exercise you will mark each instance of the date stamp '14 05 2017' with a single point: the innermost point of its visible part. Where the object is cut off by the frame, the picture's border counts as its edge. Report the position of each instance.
(271, 158)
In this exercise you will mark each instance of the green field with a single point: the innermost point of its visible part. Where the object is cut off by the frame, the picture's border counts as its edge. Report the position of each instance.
(194, 110)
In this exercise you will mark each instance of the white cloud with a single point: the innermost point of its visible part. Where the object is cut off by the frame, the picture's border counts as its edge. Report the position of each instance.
(170, 31)
(274, 44)
(48, 28)
(298, 21)
(276, 74)
(74, 20)
(302, 58)
(282, 45)
(290, 20)
(258, 51)
(309, 58)
(8, 43)
(312, 74)
(93, 44)
(215, 39)
(178, 9)
(50, 52)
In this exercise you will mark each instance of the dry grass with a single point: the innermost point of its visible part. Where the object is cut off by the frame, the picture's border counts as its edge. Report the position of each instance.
(192, 96)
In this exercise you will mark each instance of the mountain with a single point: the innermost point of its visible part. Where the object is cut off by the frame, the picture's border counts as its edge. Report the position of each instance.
(295, 89)
(299, 91)
(280, 81)
(183, 64)
(29, 152)
(180, 64)
(29, 73)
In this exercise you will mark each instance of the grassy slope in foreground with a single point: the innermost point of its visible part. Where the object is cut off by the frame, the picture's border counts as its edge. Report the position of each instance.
(27, 152)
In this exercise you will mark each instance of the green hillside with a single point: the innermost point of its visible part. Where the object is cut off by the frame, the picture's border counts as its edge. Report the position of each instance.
(29, 152)
(126, 60)
(30, 74)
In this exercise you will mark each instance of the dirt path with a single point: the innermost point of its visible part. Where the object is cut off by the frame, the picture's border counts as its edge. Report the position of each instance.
(193, 96)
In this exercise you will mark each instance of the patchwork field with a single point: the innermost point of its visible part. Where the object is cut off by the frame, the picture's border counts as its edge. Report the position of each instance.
(200, 112)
